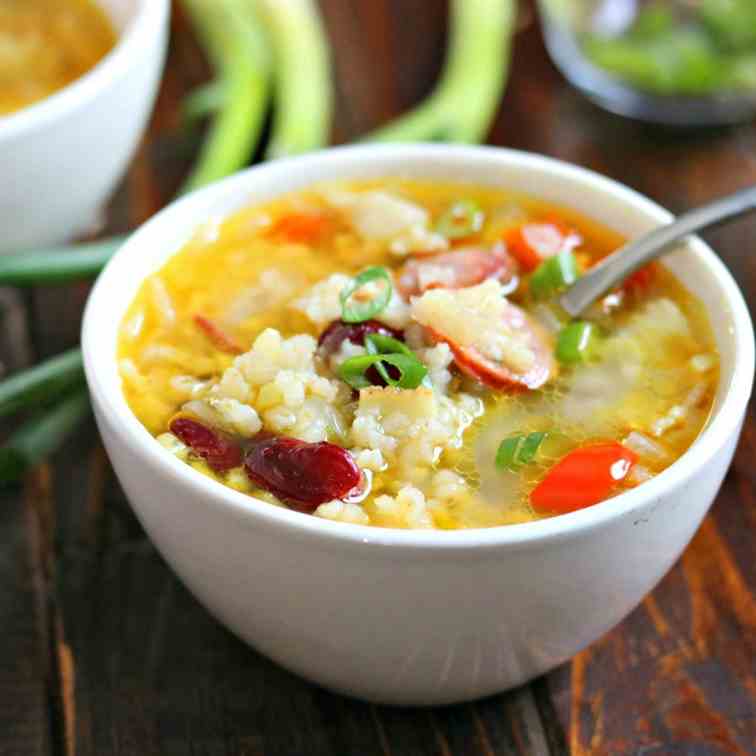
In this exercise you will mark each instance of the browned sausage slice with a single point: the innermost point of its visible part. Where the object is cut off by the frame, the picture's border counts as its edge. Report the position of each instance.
(457, 269)
(498, 376)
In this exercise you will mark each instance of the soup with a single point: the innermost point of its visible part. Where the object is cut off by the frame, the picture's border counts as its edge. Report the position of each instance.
(389, 353)
(47, 44)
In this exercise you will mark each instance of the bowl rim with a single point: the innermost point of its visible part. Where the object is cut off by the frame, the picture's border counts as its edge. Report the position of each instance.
(109, 399)
(149, 17)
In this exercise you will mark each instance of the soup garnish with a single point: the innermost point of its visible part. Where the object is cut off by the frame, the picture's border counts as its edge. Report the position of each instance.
(47, 44)
(387, 353)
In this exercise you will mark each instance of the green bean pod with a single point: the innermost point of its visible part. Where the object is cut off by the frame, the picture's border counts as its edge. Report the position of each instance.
(303, 89)
(41, 436)
(235, 42)
(462, 106)
(41, 383)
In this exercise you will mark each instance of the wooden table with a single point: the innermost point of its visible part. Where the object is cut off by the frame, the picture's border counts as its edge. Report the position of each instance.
(103, 650)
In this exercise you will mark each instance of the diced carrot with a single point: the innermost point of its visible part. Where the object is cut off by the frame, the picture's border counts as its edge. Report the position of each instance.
(302, 228)
(639, 282)
(532, 243)
(220, 339)
(521, 250)
(583, 478)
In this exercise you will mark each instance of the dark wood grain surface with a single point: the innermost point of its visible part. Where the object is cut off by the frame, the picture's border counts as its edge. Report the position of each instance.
(103, 650)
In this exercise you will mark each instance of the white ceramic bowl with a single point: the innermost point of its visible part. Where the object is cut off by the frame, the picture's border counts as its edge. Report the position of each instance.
(400, 616)
(61, 158)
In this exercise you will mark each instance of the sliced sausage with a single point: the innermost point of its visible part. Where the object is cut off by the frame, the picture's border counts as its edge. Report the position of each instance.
(532, 243)
(457, 269)
(498, 376)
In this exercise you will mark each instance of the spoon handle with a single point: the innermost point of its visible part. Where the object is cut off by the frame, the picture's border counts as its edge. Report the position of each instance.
(620, 264)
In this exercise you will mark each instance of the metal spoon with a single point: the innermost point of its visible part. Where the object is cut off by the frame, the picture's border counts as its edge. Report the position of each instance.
(628, 258)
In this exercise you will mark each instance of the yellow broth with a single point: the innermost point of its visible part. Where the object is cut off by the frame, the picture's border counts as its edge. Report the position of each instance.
(645, 371)
(47, 44)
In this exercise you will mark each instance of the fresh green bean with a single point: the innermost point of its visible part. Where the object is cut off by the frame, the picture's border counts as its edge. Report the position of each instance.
(235, 43)
(41, 436)
(463, 104)
(56, 266)
(41, 383)
(303, 90)
(203, 102)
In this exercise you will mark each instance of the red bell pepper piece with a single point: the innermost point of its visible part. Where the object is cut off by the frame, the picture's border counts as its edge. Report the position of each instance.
(583, 478)
(638, 282)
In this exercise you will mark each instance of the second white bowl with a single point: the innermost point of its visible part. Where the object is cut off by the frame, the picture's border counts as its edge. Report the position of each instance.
(61, 158)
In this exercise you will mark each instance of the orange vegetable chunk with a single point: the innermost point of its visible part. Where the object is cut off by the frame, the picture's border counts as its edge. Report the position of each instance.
(583, 478)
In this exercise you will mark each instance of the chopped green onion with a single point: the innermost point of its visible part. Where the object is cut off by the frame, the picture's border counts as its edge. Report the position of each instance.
(577, 342)
(529, 448)
(412, 371)
(506, 453)
(462, 219)
(379, 343)
(41, 436)
(41, 383)
(518, 450)
(554, 274)
(358, 312)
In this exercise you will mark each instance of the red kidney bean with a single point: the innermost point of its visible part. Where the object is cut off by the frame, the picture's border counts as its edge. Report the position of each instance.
(304, 475)
(220, 452)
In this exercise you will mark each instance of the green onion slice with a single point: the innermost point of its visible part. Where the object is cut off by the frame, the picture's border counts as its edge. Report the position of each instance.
(462, 219)
(359, 311)
(412, 371)
(554, 274)
(577, 343)
(379, 343)
(518, 450)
